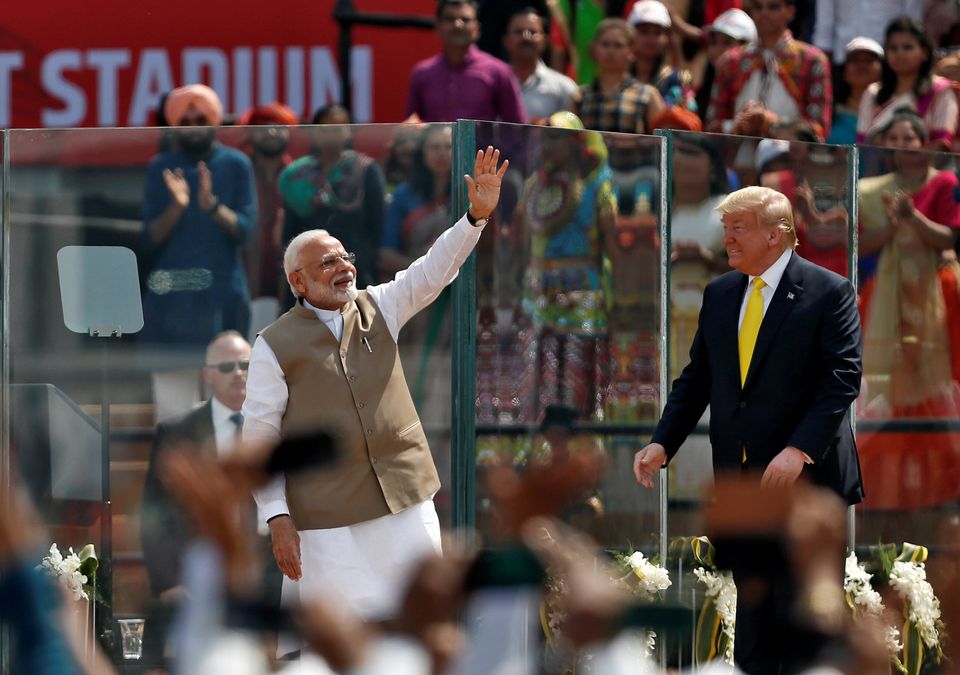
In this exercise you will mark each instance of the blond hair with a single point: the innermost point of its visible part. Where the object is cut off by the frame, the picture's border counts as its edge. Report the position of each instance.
(772, 208)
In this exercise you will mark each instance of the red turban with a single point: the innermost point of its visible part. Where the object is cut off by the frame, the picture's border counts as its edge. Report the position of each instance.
(677, 117)
(271, 113)
(199, 96)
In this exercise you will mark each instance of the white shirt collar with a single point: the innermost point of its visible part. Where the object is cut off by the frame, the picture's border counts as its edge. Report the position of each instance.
(221, 413)
(325, 315)
(331, 318)
(773, 274)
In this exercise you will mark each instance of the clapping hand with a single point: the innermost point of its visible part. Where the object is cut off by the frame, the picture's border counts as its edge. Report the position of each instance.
(205, 197)
(177, 186)
(484, 187)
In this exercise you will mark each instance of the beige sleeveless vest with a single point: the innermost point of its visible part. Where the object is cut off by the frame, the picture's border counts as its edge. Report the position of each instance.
(356, 390)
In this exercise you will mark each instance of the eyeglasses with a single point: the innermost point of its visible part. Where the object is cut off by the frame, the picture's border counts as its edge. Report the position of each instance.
(330, 262)
(227, 367)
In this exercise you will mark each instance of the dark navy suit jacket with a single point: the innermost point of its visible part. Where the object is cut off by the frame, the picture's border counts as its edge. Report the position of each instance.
(804, 374)
(164, 528)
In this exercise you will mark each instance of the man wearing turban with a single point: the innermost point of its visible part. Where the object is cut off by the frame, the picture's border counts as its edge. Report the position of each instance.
(198, 210)
(269, 136)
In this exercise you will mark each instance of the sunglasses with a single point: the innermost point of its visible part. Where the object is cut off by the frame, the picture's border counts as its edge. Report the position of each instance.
(227, 367)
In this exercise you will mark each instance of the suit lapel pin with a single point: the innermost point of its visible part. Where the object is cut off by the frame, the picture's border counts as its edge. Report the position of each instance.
(790, 296)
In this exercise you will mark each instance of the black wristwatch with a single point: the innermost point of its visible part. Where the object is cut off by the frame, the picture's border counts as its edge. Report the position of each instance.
(478, 222)
(213, 209)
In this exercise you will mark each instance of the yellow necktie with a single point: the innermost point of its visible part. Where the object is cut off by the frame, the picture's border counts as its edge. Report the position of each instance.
(750, 328)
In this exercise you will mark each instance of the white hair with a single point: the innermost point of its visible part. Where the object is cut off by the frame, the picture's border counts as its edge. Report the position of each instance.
(291, 256)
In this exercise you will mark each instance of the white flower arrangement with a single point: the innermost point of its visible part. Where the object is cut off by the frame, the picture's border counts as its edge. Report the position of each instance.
(863, 599)
(651, 578)
(646, 580)
(66, 569)
(723, 592)
(923, 607)
(856, 584)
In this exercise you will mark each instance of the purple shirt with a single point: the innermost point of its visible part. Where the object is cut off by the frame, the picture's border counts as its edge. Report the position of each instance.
(482, 87)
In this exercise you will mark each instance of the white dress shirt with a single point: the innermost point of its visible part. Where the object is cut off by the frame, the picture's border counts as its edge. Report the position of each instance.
(839, 21)
(771, 278)
(225, 430)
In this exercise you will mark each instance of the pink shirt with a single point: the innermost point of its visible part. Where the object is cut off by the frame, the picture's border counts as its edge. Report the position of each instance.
(481, 87)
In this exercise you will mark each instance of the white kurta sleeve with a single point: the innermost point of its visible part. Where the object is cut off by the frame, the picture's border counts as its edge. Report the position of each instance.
(263, 411)
(417, 286)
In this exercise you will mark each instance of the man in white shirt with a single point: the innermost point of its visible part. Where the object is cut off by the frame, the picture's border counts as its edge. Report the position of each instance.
(356, 529)
(839, 21)
(544, 90)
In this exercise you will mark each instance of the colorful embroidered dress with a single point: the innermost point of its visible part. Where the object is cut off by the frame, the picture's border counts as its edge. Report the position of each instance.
(803, 70)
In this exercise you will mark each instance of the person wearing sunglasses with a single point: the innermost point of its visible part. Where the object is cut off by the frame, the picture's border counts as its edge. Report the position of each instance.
(199, 209)
(213, 429)
(331, 363)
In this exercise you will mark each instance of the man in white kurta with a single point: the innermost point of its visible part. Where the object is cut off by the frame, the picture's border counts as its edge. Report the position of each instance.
(367, 562)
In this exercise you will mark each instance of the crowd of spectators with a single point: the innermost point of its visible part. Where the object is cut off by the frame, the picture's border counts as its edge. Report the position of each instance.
(748, 67)
(581, 233)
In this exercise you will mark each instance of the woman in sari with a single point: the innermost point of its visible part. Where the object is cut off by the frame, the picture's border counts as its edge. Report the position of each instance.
(911, 352)
(906, 81)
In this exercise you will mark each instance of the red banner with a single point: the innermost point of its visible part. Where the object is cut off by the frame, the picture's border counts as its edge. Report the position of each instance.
(106, 63)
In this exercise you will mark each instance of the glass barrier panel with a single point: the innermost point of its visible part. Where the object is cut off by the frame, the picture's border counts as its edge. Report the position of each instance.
(703, 169)
(568, 318)
(908, 410)
(103, 381)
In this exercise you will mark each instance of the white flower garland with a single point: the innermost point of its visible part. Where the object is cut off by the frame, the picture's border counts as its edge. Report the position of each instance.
(856, 584)
(646, 580)
(910, 580)
(721, 588)
(652, 578)
(66, 570)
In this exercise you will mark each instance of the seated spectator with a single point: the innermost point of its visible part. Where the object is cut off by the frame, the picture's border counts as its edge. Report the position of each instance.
(778, 80)
(616, 101)
(733, 28)
(862, 67)
(462, 81)
(907, 81)
(336, 189)
(544, 91)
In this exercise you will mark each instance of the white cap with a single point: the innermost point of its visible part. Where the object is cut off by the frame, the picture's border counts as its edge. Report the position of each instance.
(650, 11)
(864, 44)
(737, 24)
(769, 149)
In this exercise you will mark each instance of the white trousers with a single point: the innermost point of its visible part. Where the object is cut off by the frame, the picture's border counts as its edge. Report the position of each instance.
(365, 567)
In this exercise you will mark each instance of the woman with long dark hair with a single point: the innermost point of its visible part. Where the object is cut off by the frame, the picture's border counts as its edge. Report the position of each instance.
(420, 209)
(907, 81)
(861, 69)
